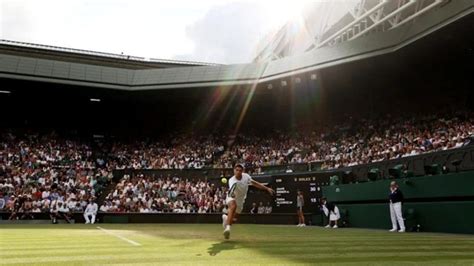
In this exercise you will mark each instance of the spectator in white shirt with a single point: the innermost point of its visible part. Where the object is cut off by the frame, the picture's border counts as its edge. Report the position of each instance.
(268, 208)
(91, 211)
(64, 211)
(2, 202)
(105, 207)
(261, 208)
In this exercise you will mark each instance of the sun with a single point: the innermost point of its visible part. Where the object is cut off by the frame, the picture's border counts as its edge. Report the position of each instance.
(282, 11)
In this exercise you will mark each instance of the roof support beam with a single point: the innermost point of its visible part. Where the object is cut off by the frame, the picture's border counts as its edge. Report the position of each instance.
(417, 14)
(359, 19)
(397, 11)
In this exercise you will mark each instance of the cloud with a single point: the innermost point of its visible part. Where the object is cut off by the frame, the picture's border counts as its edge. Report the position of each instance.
(227, 33)
(142, 28)
(221, 31)
(15, 20)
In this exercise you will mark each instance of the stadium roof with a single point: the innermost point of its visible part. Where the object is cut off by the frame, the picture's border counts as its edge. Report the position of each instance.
(79, 68)
(331, 23)
(92, 57)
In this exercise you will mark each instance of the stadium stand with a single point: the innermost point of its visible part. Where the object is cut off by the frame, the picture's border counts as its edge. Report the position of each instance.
(146, 194)
(39, 171)
(355, 142)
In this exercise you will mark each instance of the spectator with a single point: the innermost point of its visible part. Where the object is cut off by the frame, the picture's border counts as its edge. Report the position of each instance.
(254, 209)
(64, 212)
(15, 206)
(2, 202)
(268, 208)
(54, 214)
(261, 208)
(91, 211)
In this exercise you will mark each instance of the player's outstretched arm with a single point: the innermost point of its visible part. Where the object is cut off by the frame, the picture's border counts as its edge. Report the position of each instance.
(262, 187)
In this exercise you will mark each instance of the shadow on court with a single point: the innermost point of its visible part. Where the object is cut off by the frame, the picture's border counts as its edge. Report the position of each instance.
(216, 248)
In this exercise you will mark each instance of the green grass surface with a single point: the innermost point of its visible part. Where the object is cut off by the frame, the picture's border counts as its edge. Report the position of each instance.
(173, 244)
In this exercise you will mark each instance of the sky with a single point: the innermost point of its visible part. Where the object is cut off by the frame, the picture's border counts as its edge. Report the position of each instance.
(216, 31)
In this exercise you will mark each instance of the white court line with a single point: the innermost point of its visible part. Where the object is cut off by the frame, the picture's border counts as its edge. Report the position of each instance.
(119, 236)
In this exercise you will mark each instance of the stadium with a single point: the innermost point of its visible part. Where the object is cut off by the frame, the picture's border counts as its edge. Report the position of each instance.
(355, 141)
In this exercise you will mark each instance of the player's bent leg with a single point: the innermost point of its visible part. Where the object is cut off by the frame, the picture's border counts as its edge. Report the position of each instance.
(224, 220)
(232, 208)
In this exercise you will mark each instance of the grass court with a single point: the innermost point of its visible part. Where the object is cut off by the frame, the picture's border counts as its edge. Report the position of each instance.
(203, 244)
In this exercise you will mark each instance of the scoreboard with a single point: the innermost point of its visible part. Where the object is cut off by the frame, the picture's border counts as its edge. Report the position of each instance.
(286, 189)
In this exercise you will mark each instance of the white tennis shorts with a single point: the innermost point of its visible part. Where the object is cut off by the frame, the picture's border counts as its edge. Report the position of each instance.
(239, 201)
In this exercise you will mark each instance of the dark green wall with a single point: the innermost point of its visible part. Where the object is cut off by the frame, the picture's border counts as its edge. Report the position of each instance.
(451, 217)
(442, 203)
(449, 185)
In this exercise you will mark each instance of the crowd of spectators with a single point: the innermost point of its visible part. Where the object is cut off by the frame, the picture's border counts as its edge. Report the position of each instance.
(180, 152)
(39, 171)
(355, 142)
(258, 151)
(392, 138)
(148, 194)
(261, 209)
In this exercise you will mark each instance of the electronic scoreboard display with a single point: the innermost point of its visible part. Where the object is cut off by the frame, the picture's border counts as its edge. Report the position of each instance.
(286, 188)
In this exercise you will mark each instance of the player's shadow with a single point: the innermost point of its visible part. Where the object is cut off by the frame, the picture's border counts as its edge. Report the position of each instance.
(216, 248)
